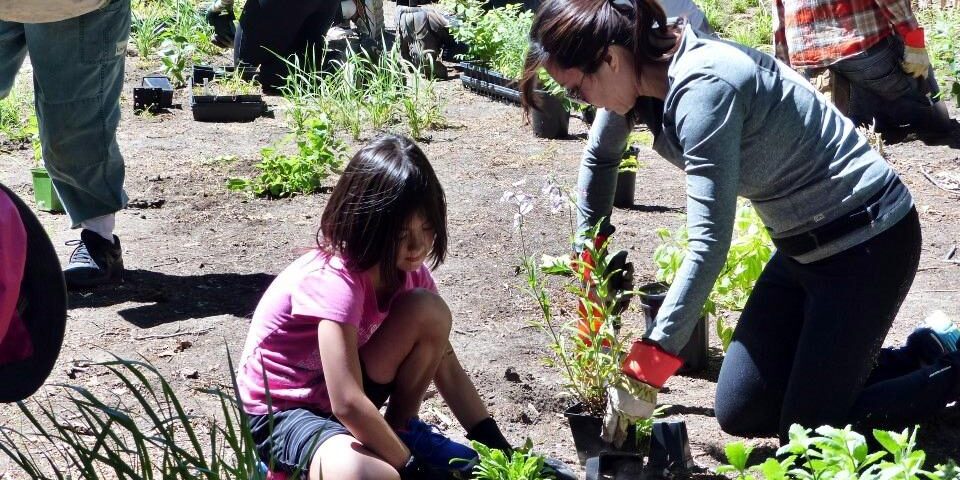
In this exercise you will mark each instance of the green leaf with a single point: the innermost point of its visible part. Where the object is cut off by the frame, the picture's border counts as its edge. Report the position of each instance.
(738, 454)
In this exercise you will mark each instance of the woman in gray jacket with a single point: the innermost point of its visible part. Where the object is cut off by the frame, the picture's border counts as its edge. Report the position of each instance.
(740, 123)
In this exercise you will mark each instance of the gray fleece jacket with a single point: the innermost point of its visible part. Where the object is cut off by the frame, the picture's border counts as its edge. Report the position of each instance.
(740, 123)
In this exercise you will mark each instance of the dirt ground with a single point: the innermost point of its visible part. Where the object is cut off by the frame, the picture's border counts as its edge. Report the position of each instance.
(198, 257)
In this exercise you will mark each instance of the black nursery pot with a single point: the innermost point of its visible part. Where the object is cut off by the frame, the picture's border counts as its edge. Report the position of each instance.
(551, 119)
(694, 353)
(586, 430)
(626, 187)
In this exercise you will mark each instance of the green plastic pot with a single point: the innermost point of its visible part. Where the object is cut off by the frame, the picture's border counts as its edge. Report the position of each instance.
(44, 193)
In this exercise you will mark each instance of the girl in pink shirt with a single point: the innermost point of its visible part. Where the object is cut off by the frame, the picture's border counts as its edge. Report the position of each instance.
(358, 320)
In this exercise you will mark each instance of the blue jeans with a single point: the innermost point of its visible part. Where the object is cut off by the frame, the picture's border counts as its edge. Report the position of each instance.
(880, 90)
(77, 76)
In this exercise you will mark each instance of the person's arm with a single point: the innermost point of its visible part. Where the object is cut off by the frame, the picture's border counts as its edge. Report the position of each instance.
(709, 116)
(341, 372)
(781, 48)
(598, 171)
(900, 15)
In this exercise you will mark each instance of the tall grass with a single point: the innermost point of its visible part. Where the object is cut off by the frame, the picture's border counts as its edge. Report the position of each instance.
(362, 92)
(748, 22)
(15, 114)
(145, 433)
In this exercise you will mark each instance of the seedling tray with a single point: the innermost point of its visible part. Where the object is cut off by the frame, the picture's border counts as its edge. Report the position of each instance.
(226, 108)
(489, 82)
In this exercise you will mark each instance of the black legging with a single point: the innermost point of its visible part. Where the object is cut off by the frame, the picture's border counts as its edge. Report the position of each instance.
(271, 29)
(807, 347)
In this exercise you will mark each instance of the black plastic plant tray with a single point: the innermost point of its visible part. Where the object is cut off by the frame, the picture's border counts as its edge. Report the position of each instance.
(154, 93)
(492, 90)
(226, 108)
(473, 70)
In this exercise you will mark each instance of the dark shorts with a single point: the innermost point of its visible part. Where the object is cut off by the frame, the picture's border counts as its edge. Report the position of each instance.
(287, 440)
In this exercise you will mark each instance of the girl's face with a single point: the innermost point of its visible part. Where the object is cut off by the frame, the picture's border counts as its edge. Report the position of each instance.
(613, 86)
(416, 242)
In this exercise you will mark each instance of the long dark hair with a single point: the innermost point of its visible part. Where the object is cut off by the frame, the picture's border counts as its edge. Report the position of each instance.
(384, 185)
(577, 34)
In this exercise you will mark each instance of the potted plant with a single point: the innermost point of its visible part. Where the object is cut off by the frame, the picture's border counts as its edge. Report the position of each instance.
(43, 191)
(626, 179)
(230, 95)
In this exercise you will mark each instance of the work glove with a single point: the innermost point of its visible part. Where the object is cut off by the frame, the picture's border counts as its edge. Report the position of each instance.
(646, 368)
(915, 62)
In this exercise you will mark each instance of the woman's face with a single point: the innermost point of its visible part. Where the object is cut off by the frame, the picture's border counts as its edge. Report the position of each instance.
(613, 86)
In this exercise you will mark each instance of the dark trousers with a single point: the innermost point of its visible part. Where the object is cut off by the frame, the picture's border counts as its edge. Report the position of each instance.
(807, 348)
(881, 91)
(272, 31)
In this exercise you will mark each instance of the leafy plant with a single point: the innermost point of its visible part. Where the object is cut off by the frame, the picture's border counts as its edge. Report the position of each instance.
(18, 122)
(318, 155)
(943, 45)
(498, 38)
(750, 249)
(175, 55)
(145, 433)
(629, 164)
(838, 453)
(521, 464)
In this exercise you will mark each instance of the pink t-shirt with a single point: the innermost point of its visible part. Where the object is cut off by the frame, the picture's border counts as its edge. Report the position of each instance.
(282, 344)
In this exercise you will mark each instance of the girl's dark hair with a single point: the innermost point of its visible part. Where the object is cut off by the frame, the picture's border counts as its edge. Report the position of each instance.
(577, 34)
(383, 186)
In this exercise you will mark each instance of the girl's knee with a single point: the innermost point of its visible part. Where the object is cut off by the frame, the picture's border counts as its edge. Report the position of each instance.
(428, 312)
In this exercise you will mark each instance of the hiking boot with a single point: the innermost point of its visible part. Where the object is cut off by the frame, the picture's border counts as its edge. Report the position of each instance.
(221, 18)
(95, 261)
(936, 336)
(431, 447)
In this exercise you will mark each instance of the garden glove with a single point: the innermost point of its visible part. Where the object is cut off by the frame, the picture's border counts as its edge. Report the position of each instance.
(646, 368)
(916, 61)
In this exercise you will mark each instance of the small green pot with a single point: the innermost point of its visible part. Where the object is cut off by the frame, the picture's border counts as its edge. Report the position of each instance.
(44, 193)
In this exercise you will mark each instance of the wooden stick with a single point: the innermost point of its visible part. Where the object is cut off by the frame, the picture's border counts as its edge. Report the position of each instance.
(937, 184)
(174, 334)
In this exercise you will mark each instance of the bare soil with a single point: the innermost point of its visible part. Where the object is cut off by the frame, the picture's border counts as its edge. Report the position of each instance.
(198, 257)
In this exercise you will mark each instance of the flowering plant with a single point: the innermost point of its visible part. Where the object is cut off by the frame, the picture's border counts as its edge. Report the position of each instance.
(588, 346)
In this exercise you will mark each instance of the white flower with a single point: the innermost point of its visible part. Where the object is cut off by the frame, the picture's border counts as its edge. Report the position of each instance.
(554, 193)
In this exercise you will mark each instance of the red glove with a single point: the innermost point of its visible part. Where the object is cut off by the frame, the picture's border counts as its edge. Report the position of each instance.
(650, 364)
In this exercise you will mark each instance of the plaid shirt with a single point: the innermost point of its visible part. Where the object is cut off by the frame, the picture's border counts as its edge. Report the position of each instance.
(819, 33)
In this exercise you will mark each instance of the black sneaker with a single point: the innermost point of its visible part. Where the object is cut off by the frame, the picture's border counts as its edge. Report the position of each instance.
(94, 262)
(224, 28)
